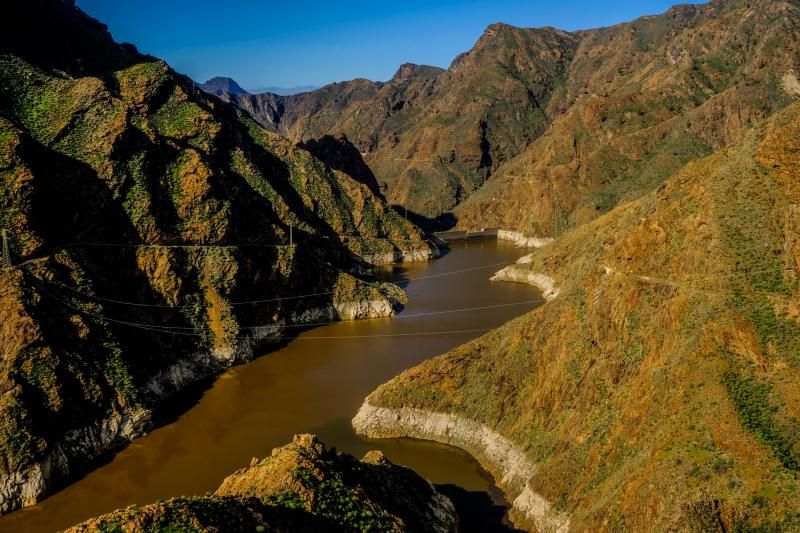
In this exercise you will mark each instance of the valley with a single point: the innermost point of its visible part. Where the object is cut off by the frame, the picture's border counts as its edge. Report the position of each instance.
(314, 383)
(206, 294)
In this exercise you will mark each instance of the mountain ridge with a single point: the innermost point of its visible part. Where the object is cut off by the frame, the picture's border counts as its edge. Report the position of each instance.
(139, 211)
(457, 142)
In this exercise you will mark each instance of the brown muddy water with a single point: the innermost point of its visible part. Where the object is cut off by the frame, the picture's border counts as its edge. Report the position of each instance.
(314, 384)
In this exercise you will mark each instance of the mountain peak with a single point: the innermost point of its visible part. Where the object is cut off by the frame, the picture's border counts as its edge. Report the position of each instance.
(220, 84)
(410, 70)
(498, 27)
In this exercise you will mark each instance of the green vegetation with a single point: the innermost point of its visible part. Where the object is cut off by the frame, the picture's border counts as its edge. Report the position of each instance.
(754, 402)
(343, 504)
(117, 149)
(300, 487)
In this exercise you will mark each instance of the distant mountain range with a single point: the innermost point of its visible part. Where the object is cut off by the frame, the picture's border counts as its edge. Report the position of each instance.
(286, 91)
(221, 85)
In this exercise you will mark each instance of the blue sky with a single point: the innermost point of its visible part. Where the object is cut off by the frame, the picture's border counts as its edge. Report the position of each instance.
(308, 42)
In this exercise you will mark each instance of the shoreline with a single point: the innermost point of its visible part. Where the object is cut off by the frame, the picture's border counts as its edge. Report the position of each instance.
(522, 240)
(546, 284)
(82, 445)
(509, 466)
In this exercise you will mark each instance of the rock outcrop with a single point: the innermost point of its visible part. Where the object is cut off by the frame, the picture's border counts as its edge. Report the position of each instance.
(301, 487)
(522, 240)
(542, 282)
(510, 467)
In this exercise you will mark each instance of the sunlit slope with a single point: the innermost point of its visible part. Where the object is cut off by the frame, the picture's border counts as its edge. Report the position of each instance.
(638, 101)
(660, 390)
(539, 130)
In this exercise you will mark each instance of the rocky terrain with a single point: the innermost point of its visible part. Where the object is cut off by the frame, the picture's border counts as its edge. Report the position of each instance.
(657, 390)
(639, 101)
(433, 136)
(541, 130)
(161, 234)
(301, 487)
(158, 237)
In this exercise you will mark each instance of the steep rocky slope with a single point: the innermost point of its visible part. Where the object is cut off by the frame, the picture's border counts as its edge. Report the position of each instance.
(553, 128)
(432, 136)
(300, 487)
(639, 101)
(160, 236)
(659, 389)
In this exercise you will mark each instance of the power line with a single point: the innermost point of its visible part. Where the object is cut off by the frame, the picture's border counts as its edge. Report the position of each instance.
(309, 324)
(415, 334)
(236, 245)
(268, 300)
(176, 330)
(154, 328)
(415, 280)
(401, 317)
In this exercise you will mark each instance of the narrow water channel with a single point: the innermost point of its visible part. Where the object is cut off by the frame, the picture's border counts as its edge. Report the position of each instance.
(315, 384)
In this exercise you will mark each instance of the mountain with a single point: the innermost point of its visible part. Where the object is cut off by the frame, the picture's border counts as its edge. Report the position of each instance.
(637, 103)
(157, 236)
(301, 487)
(218, 86)
(656, 390)
(433, 136)
(659, 388)
(540, 130)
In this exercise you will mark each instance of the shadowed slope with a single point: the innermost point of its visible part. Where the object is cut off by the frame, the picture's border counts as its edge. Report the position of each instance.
(139, 211)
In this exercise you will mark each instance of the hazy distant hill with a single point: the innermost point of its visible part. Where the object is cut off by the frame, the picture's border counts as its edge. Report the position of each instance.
(221, 85)
(286, 91)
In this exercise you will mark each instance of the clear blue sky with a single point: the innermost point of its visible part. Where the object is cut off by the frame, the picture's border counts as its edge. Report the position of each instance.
(309, 42)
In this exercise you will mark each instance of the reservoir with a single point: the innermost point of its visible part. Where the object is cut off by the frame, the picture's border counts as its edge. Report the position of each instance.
(314, 384)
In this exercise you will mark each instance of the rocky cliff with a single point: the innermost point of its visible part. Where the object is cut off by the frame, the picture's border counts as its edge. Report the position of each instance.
(158, 236)
(658, 389)
(301, 487)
